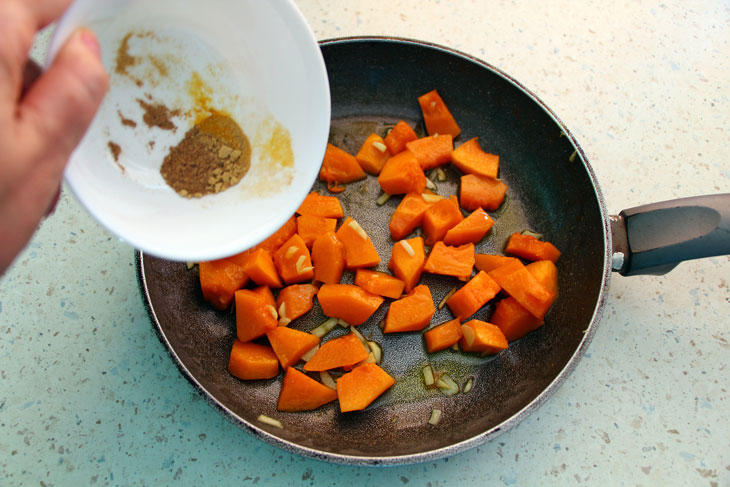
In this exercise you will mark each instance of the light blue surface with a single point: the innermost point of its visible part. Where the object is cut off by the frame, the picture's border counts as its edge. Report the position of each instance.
(88, 395)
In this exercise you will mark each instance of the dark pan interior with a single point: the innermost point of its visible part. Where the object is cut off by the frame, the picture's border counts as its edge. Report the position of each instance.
(374, 83)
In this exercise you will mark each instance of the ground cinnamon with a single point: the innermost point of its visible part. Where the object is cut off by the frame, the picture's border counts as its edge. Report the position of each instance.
(213, 156)
(158, 115)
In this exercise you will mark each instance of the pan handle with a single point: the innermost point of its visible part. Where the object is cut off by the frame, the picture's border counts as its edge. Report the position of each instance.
(654, 238)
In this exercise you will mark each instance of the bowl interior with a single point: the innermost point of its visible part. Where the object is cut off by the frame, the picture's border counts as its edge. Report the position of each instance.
(255, 61)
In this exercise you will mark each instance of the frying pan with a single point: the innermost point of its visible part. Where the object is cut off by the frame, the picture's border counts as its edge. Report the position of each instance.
(374, 83)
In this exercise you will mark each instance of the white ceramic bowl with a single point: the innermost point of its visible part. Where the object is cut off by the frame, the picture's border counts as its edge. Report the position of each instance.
(257, 61)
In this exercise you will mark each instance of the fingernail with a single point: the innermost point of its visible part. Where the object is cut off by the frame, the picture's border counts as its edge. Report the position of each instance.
(92, 43)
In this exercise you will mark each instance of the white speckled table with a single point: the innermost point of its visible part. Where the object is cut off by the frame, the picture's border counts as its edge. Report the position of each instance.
(88, 395)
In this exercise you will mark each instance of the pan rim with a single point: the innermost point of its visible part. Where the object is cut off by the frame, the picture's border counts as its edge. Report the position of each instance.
(519, 416)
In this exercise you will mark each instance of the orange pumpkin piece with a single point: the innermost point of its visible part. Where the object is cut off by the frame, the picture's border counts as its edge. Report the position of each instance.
(339, 167)
(488, 262)
(343, 351)
(372, 154)
(320, 205)
(469, 230)
(251, 361)
(410, 313)
(402, 174)
(328, 256)
(439, 218)
(295, 301)
(546, 274)
(479, 191)
(511, 317)
(469, 158)
(409, 214)
(359, 249)
(472, 295)
(407, 260)
(293, 261)
(437, 116)
(299, 392)
(219, 280)
(276, 240)
(379, 283)
(261, 269)
(358, 388)
(309, 227)
(289, 344)
(531, 248)
(348, 302)
(442, 336)
(517, 281)
(451, 261)
(482, 337)
(432, 151)
(254, 316)
(266, 294)
(398, 137)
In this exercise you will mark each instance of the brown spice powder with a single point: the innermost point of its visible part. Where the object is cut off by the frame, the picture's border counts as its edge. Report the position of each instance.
(115, 149)
(124, 59)
(126, 121)
(213, 156)
(158, 115)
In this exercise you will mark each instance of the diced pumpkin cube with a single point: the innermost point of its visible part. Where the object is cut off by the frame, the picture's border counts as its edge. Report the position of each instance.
(451, 261)
(470, 158)
(482, 337)
(372, 154)
(479, 191)
(343, 351)
(359, 249)
(289, 344)
(299, 392)
(251, 361)
(472, 295)
(357, 389)
(407, 260)
(443, 336)
(402, 174)
(293, 261)
(398, 137)
(410, 313)
(348, 302)
(254, 316)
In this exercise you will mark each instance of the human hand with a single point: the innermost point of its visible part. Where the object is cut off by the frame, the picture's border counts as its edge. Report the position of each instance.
(42, 116)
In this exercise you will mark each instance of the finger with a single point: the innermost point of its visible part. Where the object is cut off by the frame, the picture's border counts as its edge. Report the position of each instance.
(54, 202)
(19, 22)
(31, 72)
(58, 108)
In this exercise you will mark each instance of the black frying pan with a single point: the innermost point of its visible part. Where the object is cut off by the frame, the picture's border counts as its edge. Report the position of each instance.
(552, 190)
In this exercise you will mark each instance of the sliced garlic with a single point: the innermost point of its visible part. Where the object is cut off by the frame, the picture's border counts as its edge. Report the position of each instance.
(407, 247)
(273, 312)
(431, 198)
(291, 251)
(358, 229)
(270, 421)
(442, 303)
(435, 417)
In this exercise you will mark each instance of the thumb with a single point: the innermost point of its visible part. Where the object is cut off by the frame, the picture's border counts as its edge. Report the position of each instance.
(61, 104)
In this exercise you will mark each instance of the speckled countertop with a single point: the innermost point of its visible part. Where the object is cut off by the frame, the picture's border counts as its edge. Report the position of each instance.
(88, 395)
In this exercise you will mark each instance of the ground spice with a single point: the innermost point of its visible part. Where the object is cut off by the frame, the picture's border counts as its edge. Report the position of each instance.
(124, 59)
(115, 149)
(126, 121)
(158, 115)
(213, 156)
